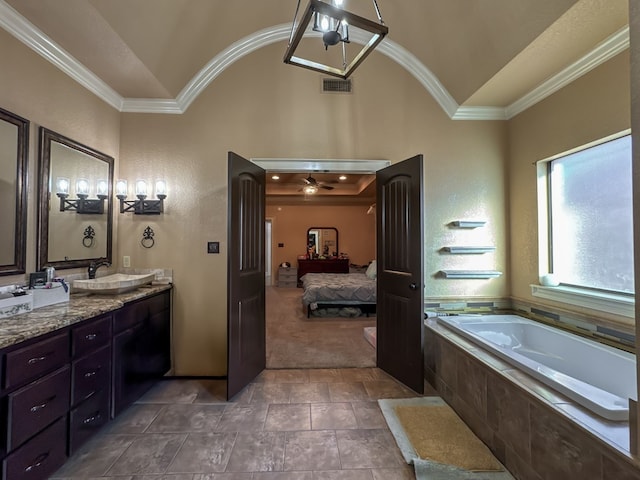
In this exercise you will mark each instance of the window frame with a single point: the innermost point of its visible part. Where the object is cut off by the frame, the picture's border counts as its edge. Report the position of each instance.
(618, 303)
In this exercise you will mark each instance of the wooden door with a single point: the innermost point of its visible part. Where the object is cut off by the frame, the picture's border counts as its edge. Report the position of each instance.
(246, 350)
(400, 300)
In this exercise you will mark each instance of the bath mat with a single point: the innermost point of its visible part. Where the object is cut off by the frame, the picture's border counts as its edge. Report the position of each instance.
(437, 442)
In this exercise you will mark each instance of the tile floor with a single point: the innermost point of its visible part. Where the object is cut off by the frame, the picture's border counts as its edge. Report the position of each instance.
(321, 424)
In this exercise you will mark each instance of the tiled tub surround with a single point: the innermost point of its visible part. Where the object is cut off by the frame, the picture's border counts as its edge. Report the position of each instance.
(607, 331)
(577, 367)
(536, 432)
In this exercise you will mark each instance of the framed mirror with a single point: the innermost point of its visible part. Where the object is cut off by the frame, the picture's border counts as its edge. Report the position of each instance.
(14, 144)
(322, 242)
(75, 219)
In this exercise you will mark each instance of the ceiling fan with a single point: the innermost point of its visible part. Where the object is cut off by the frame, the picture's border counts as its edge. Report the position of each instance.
(311, 185)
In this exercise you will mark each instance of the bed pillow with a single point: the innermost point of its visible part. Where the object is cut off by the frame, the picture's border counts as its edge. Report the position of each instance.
(371, 270)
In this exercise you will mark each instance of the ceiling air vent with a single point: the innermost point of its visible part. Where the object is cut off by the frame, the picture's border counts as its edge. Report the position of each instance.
(336, 85)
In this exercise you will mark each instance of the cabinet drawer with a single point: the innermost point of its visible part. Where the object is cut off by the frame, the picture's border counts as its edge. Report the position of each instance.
(40, 457)
(91, 336)
(90, 374)
(33, 407)
(29, 362)
(158, 303)
(288, 273)
(87, 419)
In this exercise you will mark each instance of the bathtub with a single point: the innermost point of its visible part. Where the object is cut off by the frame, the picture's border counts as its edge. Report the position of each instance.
(596, 376)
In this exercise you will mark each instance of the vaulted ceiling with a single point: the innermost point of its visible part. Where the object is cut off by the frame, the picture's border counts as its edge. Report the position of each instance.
(502, 54)
(480, 59)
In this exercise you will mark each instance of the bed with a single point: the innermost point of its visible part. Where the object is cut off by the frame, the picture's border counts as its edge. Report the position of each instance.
(327, 290)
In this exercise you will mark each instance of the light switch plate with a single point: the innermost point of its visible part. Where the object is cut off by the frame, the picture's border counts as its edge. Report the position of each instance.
(213, 247)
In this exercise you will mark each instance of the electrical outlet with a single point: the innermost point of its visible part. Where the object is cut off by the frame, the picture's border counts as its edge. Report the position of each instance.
(126, 261)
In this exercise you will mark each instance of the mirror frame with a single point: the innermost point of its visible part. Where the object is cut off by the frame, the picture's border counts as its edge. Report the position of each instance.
(20, 237)
(324, 228)
(44, 198)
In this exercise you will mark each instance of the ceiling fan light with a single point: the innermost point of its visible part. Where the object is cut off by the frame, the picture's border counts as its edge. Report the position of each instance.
(310, 189)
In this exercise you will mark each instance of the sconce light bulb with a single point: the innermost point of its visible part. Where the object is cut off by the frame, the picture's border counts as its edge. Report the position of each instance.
(121, 187)
(161, 188)
(62, 184)
(102, 187)
(141, 187)
(82, 187)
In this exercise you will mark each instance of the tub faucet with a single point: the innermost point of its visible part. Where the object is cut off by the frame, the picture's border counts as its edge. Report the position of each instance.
(94, 265)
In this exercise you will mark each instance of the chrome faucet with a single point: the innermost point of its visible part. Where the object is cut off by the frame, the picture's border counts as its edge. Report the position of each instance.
(94, 265)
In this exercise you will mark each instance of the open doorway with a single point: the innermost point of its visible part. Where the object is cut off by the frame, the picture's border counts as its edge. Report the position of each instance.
(329, 339)
(399, 252)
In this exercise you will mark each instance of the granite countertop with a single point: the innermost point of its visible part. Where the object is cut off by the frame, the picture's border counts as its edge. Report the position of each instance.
(80, 307)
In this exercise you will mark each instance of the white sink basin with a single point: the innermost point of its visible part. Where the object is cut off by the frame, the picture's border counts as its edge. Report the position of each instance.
(113, 284)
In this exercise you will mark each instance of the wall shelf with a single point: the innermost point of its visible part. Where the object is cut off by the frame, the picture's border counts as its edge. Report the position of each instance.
(470, 273)
(467, 250)
(468, 223)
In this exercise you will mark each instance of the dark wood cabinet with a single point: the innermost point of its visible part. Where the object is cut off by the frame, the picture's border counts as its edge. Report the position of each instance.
(90, 379)
(39, 458)
(58, 389)
(34, 406)
(35, 359)
(141, 348)
(339, 265)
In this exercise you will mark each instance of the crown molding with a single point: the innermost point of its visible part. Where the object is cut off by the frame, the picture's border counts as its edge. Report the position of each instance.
(609, 48)
(479, 113)
(31, 36)
(152, 105)
(227, 57)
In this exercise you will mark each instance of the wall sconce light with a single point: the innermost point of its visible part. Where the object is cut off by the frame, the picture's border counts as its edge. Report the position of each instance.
(334, 24)
(141, 206)
(82, 204)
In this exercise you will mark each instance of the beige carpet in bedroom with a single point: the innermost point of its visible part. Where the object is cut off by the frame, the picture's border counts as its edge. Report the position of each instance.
(295, 341)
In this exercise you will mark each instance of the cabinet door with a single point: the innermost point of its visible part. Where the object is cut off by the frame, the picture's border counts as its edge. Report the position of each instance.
(158, 340)
(129, 378)
(141, 353)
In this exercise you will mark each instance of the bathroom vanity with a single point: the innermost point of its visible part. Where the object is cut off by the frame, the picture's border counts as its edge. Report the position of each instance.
(70, 368)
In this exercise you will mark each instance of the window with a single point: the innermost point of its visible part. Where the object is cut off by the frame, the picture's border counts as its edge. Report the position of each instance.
(586, 219)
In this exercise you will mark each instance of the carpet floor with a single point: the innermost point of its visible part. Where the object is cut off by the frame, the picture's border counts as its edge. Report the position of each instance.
(295, 341)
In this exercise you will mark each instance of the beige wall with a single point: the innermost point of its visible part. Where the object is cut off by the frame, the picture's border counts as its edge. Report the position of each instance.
(260, 107)
(36, 90)
(592, 107)
(356, 230)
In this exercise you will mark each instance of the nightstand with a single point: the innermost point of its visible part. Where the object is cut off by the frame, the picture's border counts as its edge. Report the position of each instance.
(287, 277)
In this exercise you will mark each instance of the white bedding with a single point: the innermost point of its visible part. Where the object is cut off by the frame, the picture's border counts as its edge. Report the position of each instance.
(337, 288)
